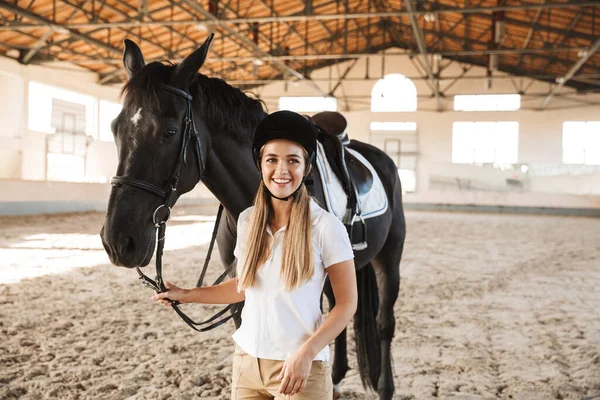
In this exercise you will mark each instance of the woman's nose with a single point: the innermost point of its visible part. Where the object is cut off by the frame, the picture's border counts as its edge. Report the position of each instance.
(281, 168)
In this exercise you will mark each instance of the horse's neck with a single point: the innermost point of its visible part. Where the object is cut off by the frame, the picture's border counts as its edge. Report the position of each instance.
(231, 175)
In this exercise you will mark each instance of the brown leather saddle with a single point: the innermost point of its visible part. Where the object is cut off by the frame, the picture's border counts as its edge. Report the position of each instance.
(334, 138)
(356, 178)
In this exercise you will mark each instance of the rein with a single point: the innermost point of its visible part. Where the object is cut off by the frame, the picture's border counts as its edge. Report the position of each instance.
(189, 133)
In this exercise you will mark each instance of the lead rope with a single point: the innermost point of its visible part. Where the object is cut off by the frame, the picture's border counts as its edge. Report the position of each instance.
(158, 284)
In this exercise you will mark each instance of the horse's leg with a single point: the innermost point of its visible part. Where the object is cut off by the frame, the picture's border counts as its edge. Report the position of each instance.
(340, 357)
(387, 271)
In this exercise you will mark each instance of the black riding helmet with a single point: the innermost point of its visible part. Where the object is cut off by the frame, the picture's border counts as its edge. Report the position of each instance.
(290, 126)
(285, 125)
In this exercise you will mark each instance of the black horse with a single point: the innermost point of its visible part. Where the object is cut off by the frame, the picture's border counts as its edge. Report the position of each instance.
(149, 134)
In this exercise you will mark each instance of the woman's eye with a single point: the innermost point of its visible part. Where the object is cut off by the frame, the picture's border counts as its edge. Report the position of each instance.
(170, 133)
(294, 161)
(269, 160)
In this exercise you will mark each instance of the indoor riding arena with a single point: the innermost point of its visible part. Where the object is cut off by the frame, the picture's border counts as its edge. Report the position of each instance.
(489, 111)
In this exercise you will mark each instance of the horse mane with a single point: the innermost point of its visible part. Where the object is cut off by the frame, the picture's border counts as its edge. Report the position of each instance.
(223, 108)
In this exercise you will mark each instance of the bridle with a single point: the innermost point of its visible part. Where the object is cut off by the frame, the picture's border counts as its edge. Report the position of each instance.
(190, 133)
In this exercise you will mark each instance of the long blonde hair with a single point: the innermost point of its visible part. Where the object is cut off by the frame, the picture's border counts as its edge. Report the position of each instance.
(297, 261)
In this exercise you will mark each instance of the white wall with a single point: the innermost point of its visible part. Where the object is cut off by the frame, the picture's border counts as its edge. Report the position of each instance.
(22, 152)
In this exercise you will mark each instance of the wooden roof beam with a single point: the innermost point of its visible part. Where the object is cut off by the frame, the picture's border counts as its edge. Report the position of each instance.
(480, 11)
(59, 28)
(257, 50)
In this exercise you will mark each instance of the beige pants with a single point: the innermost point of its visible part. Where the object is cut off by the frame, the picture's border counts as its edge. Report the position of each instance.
(255, 378)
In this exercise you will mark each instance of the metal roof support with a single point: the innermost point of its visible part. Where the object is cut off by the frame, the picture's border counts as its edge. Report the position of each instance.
(37, 46)
(562, 39)
(480, 11)
(412, 78)
(97, 18)
(81, 36)
(257, 50)
(287, 24)
(423, 50)
(418, 64)
(42, 41)
(530, 33)
(349, 56)
(341, 78)
(571, 72)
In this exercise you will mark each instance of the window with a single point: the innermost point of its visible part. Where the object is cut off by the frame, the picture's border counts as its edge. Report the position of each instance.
(394, 93)
(487, 102)
(393, 126)
(68, 117)
(308, 104)
(65, 167)
(108, 112)
(581, 142)
(485, 142)
(51, 108)
(400, 142)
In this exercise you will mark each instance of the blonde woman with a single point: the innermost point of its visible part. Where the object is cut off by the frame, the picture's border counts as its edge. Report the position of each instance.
(286, 246)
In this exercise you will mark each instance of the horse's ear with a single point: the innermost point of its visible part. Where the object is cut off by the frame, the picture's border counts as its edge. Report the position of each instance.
(187, 68)
(133, 60)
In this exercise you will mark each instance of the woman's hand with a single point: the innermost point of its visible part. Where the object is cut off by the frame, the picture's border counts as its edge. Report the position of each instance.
(294, 373)
(173, 293)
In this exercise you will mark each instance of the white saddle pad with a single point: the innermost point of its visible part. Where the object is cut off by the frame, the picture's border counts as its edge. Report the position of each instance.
(372, 203)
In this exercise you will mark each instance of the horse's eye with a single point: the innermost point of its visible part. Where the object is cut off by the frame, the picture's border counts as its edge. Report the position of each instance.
(170, 133)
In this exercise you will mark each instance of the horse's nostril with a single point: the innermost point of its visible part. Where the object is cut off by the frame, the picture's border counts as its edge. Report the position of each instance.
(129, 245)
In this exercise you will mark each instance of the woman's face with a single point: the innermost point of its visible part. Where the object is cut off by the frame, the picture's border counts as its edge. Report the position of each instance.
(282, 164)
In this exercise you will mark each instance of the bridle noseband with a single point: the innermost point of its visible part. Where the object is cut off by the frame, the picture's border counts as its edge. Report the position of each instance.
(190, 133)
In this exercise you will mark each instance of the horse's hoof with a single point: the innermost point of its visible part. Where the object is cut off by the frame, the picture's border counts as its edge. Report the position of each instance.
(337, 392)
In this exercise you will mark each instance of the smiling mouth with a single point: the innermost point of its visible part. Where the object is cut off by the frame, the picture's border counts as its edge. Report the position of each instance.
(282, 181)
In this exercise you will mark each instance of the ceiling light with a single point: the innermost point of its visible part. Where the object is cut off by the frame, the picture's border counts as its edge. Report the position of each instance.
(13, 53)
(429, 17)
(201, 27)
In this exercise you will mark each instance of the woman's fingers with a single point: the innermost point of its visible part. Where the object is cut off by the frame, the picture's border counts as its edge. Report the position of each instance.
(283, 388)
(162, 298)
(282, 373)
(304, 383)
(297, 387)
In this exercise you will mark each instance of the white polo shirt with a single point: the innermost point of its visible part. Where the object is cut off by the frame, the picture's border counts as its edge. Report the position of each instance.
(275, 323)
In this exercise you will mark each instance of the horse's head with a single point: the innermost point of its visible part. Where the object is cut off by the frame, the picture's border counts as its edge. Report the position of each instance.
(161, 149)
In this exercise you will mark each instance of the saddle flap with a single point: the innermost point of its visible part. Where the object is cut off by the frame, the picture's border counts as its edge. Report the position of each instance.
(359, 174)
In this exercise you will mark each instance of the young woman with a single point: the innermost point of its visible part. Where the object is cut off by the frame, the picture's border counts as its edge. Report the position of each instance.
(286, 246)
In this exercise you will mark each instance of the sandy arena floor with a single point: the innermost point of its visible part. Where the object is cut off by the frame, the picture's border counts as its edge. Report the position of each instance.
(491, 307)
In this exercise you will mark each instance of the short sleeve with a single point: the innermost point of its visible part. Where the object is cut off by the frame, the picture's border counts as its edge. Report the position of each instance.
(240, 241)
(336, 245)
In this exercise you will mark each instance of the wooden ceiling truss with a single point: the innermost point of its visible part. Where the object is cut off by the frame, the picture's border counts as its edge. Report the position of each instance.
(263, 41)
